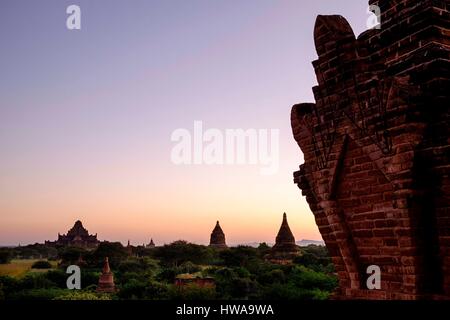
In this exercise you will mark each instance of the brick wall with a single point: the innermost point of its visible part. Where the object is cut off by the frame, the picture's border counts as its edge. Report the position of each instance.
(376, 146)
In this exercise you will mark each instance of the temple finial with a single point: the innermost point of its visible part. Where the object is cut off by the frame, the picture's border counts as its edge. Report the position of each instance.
(106, 268)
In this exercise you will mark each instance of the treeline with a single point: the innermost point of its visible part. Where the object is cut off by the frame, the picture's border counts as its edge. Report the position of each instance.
(238, 273)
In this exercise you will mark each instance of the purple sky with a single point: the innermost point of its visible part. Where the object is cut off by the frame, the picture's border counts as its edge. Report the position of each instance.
(86, 116)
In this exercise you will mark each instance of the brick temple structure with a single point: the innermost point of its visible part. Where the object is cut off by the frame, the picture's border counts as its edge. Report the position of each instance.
(106, 280)
(376, 148)
(285, 248)
(217, 239)
(77, 236)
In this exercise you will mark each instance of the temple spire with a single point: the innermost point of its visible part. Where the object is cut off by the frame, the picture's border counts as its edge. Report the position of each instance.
(285, 248)
(106, 280)
(106, 268)
(217, 239)
(151, 244)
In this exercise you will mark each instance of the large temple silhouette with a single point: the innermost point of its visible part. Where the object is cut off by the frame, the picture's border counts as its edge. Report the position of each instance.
(77, 236)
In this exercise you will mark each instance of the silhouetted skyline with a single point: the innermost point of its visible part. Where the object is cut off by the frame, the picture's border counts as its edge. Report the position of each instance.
(86, 116)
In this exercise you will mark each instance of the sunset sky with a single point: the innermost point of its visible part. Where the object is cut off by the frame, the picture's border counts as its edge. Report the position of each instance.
(86, 116)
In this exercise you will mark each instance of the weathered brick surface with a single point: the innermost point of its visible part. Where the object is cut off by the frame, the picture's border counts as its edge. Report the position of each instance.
(376, 146)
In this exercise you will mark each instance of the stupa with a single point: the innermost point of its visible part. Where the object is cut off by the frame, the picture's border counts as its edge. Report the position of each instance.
(217, 237)
(106, 280)
(151, 245)
(129, 249)
(285, 249)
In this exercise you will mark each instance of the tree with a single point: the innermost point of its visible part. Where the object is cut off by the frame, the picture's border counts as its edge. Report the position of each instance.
(132, 290)
(316, 258)
(180, 251)
(239, 256)
(35, 251)
(41, 264)
(70, 255)
(263, 249)
(82, 295)
(113, 250)
(303, 277)
(5, 256)
(192, 292)
(2, 294)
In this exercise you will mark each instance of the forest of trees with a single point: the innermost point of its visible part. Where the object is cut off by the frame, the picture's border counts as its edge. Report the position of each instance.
(239, 273)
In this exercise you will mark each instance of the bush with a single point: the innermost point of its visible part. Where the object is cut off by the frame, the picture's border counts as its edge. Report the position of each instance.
(113, 250)
(82, 295)
(132, 290)
(37, 294)
(36, 281)
(34, 251)
(239, 256)
(144, 267)
(58, 277)
(89, 278)
(273, 276)
(191, 292)
(70, 255)
(242, 272)
(188, 267)
(308, 279)
(41, 264)
(242, 287)
(156, 291)
(167, 275)
(315, 258)
(130, 265)
(9, 285)
(279, 291)
(5, 256)
(180, 251)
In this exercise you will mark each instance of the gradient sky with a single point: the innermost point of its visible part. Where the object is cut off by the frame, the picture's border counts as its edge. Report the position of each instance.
(86, 116)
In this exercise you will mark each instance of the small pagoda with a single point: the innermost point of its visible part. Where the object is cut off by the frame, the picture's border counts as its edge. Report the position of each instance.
(106, 280)
(217, 239)
(151, 245)
(285, 248)
(129, 249)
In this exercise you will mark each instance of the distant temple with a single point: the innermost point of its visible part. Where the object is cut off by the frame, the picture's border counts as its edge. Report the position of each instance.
(129, 248)
(78, 236)
(106, 280)
(186, 279)
(151, 245)
(217, 237)
(285, 248)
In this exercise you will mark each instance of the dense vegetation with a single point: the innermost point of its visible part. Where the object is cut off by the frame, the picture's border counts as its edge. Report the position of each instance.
(238, 273)
(41, 264)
